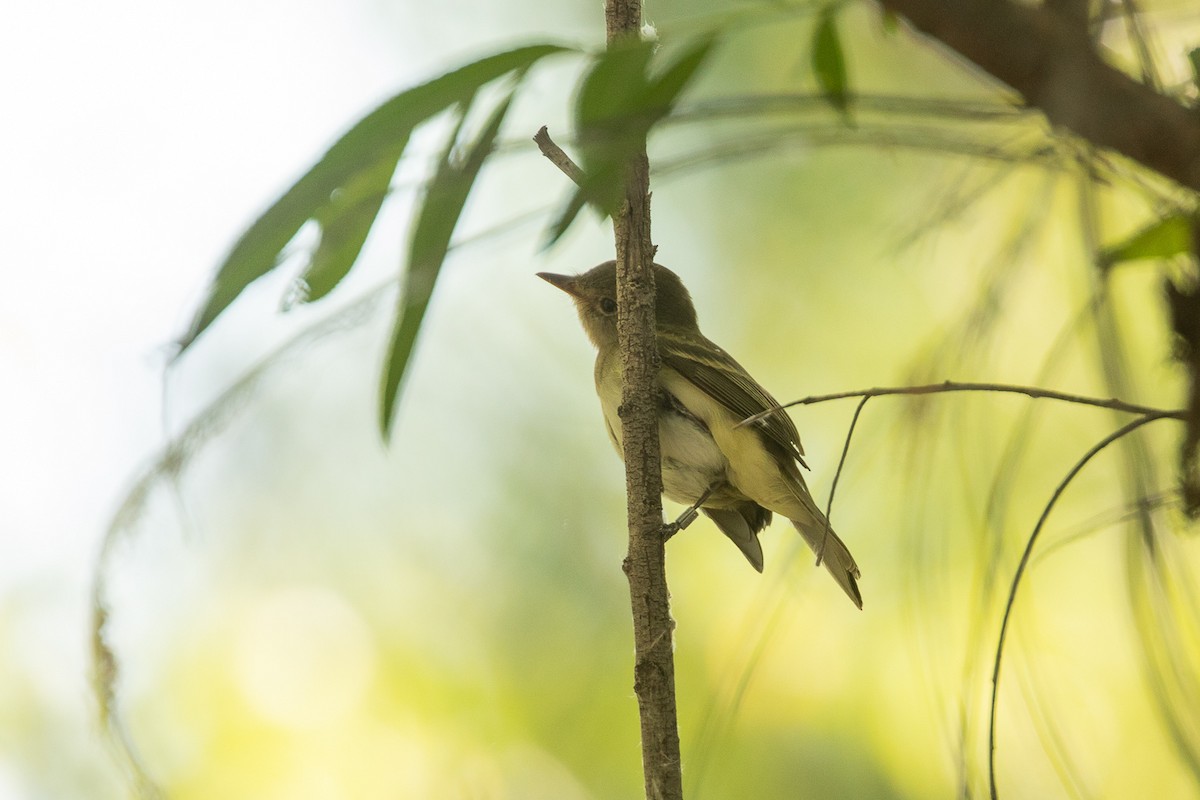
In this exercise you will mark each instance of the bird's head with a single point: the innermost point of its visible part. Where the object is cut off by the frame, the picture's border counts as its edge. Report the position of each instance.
(595, 296)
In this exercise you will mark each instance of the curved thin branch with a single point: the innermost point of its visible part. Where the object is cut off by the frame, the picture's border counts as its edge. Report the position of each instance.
(1034, 392)
(838, 474)
(1121, 432)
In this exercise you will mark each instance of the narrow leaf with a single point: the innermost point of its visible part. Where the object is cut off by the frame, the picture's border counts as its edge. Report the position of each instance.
(1169, 236)
(567, 215)
(617, 106)
(364, 146)
(829, 63)
(445, 198)
(616, 75)
(663, 92)
(345, 222)
(1194, 60)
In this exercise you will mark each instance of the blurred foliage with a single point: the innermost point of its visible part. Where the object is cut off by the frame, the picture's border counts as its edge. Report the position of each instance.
(296, 612)
(828, 62)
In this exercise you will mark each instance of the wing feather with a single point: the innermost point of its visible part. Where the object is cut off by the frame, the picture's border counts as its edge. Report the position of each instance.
(716, 373)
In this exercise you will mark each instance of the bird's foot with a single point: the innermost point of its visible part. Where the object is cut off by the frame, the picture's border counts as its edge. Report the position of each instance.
(687, 517)
(681, 522)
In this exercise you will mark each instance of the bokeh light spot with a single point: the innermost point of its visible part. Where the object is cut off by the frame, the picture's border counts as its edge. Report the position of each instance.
(304, 657)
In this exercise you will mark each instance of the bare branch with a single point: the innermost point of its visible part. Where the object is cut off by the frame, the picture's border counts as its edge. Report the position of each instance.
(645, 563)
(838, 473)
(999, 388)
(558, 156)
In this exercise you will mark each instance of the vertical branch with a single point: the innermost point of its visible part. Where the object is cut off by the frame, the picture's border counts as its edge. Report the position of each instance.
(654, 666)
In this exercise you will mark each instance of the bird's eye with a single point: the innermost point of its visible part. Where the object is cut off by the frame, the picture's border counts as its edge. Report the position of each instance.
(608, 305)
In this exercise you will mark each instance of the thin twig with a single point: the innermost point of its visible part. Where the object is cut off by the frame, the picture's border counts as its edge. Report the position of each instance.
(1121, 432)
(558, 156)
(999, 388)
(838, 474)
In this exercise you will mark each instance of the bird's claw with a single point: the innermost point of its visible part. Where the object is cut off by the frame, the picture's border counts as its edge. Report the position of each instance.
(684, 519)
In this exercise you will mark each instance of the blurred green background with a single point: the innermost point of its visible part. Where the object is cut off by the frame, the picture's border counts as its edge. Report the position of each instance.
(301, 612)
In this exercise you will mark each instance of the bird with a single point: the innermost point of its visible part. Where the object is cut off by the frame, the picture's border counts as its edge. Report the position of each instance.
(737, 474)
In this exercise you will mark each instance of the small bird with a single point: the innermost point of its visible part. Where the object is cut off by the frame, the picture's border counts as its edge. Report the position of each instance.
(738, 475)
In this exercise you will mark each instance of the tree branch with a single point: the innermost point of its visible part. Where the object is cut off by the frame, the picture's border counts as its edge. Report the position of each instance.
(1046, 56)
(557, 156)
(645, 564)
(954, 386)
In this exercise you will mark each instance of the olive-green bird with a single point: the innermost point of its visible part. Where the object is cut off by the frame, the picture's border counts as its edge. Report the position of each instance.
(736, 475)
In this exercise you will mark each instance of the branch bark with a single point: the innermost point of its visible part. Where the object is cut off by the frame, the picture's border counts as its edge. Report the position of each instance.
(557, 156)
(1045, 54)
(645, 563)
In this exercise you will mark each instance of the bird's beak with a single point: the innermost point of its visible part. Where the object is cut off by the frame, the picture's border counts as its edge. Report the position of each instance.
(564, 282)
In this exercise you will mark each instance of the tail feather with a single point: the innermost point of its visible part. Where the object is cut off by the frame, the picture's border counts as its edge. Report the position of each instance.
(833, 553)
(742, 525)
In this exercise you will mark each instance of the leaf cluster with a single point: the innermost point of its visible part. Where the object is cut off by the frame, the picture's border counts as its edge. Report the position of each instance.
(622, 96)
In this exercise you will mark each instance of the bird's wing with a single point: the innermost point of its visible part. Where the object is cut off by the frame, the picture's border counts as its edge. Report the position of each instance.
(716, 373)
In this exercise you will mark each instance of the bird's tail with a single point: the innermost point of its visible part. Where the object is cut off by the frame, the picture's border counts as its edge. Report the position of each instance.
(742, 524)
(832, 552)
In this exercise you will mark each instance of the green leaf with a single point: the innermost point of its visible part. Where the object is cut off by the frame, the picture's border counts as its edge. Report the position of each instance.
(1194, 59)
(618, 104)
(890, 21)
(566, 216)
(617, 74)
(1167, 237)
(661, 94)
(829, 63)
(605, 123)
(362, 148)
(345, 222)
(445, 197)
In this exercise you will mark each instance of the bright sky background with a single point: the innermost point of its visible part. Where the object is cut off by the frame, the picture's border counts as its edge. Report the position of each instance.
(140, 138)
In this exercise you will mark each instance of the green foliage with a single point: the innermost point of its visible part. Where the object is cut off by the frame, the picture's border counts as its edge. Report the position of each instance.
(619, 102)
(1168, 236)
(345, 222)
(445, 197)
(829, 61)
(342, 192)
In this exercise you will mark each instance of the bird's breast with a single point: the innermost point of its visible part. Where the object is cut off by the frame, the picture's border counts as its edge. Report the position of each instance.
(691, 460)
